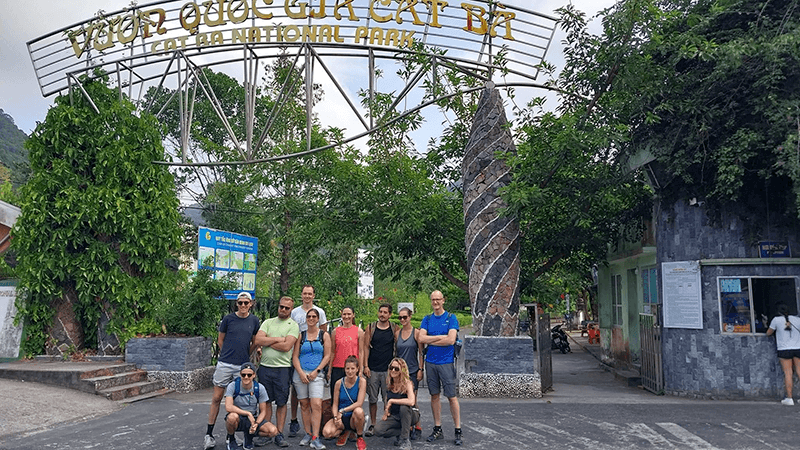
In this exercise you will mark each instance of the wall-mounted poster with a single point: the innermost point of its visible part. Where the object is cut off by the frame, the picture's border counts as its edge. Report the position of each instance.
(680, 285)
(229, 254)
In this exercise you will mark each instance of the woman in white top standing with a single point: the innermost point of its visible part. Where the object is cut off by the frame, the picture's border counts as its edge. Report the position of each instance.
(787, 335)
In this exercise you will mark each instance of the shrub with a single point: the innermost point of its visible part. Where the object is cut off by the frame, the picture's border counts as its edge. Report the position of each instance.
(195, 310)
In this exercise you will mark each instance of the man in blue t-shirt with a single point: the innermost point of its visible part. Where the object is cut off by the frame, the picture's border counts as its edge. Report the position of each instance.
(246, 410)
(439, 332)
(235, 340)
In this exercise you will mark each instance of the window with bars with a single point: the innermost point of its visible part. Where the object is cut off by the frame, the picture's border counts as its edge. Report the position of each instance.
(616, 299)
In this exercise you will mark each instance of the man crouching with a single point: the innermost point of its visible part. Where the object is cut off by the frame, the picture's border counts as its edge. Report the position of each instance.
(244, 399)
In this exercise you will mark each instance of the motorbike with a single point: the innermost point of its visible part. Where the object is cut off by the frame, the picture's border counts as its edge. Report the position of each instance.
(559, 339)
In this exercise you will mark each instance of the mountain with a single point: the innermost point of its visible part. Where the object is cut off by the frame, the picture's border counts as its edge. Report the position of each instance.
(13, 154)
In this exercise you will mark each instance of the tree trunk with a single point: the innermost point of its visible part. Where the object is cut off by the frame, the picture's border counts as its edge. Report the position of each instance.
(66, 332)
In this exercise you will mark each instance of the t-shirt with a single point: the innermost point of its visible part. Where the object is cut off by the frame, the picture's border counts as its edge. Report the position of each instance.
(439, 326)
(238, 334)
(299, 316)
(246, 398)
(786, 339)
(275, 327)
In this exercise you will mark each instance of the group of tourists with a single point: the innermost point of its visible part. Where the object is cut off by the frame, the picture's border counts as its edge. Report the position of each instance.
(296, 353)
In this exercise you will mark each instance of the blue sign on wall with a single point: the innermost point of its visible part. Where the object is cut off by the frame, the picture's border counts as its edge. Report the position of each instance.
(771, 249)
(229, 253)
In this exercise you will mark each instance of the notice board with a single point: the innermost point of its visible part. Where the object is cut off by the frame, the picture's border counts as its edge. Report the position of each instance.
(683, 300)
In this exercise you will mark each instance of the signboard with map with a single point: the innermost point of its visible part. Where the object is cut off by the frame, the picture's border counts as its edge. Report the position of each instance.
(228, 254)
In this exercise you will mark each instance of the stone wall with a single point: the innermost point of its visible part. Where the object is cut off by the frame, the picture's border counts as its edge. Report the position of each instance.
(169, 353)
(706, 363)
(484, 354)
(491, 240)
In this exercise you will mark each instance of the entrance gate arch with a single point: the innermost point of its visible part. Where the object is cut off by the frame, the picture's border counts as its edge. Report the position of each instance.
(343, 42)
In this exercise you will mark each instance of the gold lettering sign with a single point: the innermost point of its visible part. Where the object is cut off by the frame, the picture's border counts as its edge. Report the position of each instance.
(104, 34)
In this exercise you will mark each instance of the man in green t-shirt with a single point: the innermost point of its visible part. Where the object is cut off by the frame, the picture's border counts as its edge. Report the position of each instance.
(277, 337)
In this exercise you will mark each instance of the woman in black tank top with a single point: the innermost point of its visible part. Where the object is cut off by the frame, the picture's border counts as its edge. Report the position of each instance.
(398, 415)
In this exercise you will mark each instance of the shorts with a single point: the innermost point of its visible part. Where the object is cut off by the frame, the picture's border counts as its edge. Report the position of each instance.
(225, 373)
(244, 422)
(314, 389)
(376, 384)
(346, 422)
(441, 375)
(277, 381)
(414, 380)
(789, 354)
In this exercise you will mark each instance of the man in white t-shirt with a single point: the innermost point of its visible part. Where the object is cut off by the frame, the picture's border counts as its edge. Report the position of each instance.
(299, 315)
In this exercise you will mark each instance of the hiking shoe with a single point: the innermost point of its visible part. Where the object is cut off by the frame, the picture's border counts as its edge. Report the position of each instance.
(209, 442)
(360, 444)
(436, 434)
(261, 441)
(787, 401)
(353, 436)
(294, 428)
(415, 434)
(370, 431)
(232, 444)
(405, 444)
(342, 439)
(306, 440)
(457, 440)
(316, 444)
(280, 441)
(396, 442)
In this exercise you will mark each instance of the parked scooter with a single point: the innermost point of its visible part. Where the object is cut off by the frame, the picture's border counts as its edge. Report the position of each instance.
(559, 339)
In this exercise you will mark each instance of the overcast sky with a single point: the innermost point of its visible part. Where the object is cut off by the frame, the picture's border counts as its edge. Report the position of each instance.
(22, 21)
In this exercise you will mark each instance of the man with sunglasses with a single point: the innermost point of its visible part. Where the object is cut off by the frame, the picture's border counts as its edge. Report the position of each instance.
(277, 337)
(246, 406)
(235, 340)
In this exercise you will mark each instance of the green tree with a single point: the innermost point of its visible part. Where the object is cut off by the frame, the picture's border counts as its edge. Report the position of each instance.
(98, 221)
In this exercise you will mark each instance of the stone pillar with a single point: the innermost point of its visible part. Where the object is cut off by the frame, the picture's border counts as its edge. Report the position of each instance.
(492, 241)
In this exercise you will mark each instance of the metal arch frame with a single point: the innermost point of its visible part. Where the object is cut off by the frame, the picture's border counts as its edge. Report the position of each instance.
(186, 66)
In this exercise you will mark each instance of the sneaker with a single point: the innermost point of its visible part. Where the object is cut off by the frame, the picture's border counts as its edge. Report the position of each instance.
(396, 441)
(405, 444)
(342, 439)
(306, 440)
(260, 441)
(316, 444)
(370, 431)
(436, 434)
(280, 441)
(415, 434)
(787, 401)
(209, 442)
(294, 428)
(457, 440)
(353, 436)
(360, 444)
(232, 444)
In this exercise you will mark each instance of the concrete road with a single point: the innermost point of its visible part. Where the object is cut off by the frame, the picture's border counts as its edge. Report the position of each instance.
(588, 409)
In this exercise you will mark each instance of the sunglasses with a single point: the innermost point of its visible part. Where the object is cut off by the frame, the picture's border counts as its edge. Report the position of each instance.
(284, 307)
(403, 317)
(242, 303)
(394, 368)
(247, 375)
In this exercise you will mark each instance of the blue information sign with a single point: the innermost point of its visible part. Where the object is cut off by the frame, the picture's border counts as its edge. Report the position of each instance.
(229, 253)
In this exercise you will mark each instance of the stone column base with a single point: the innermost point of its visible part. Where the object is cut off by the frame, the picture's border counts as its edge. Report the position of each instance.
(500, 385)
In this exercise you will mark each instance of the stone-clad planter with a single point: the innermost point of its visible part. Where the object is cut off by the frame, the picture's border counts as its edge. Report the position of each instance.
(181, 363)
(169, 353)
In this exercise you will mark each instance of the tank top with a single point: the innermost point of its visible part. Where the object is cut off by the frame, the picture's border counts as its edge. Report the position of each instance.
(346, 345)
(394, 409)
(381, 349)
(407, 349)
(311, 352)
(348, 396)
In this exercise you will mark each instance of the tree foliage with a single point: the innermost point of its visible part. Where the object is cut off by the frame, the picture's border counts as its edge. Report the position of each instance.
(98, 218)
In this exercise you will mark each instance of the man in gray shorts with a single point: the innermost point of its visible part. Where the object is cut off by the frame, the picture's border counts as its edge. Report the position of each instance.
(378, 353)
(235, 340)
(439, 332)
